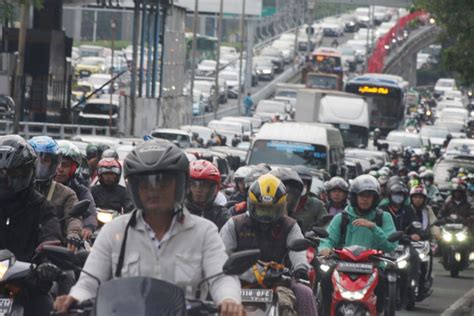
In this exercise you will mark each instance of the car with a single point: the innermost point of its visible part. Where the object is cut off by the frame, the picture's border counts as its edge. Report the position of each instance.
(199, 106)
(223, 97)
(443, 85)
(276, 57)
(354, 168)
(177, 136)
(206, 88)
(446, 169)
(228, 129)
(7, 107)
(120, 64)
(101, 80)
(448, 114)
(287, 48)
(362, 16)
(455, 95)
(97, 112)
(264, 68)
(460, 146)
(348, 57)
(333, 29)
(87, 66)
(350, 24)
(407, 139)
(202, 131)
(206, 68)
(365, 163)
(360, 47)
(82, 88)
(440, 105)
(379, 157)
(456, 127)
(232, 80)
(435, 134)
(235, 156)
(267, 110)
(248, 128)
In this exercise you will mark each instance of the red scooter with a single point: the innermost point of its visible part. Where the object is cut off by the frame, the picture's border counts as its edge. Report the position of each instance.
(354, 278)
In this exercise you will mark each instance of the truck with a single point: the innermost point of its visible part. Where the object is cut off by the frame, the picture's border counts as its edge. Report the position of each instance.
(345, 111)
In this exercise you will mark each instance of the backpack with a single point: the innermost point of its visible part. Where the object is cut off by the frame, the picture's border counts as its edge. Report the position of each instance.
(345, 221)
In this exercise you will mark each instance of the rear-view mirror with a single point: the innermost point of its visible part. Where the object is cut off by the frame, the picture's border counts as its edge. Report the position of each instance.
(299, 245)
(326, 219)
(241, 261)
(60, 256)
(320, 232)
(395, 236)
(80, 209)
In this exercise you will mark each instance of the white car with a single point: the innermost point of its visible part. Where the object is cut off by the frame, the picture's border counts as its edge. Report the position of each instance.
(287, 48)
(232, 80)
(443, 85)
(449, 114)
(98, 80)
(206, 68)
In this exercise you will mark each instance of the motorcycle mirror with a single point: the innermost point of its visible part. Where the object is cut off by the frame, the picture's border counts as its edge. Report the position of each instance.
(60, 256)
(299, 245)
(326, 219)
(320, 232)
(241, 261)
(80, 209)
(395, 236)
(416, 225)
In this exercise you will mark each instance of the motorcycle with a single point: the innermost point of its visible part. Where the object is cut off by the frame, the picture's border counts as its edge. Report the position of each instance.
(455, 244)
(103, 217)
(425, 282)
(145, 295)
(314, 237)
(355, 276)
(263, 300)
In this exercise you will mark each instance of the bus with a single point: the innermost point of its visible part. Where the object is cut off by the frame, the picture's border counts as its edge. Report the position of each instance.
(206, 47)
(325, 65)
(385, 95)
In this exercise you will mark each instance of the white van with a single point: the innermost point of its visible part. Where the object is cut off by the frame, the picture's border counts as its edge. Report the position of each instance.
(443, 85)
(289, 144)
(97, 112)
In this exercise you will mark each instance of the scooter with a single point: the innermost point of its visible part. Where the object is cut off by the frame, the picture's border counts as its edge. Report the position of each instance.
(103, 217)
(263, 300)
(355, 277)
(455, 244)
(145, 295)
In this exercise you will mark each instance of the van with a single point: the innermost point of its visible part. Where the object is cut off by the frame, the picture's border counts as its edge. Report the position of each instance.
(317, 146)
(97, 112)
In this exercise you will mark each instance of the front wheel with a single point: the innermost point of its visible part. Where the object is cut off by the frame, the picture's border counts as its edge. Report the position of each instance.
(453, 269)
(392, 299)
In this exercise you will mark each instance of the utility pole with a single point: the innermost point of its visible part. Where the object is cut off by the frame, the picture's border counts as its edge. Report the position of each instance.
(194, 47)
(133, 83)
(113, 26)
(218, 56)
(20, 62)
(297, 28)
(241, 61)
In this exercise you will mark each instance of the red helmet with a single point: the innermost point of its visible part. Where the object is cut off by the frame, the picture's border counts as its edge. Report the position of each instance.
(418, 190)
(204, 170)
(109, 165)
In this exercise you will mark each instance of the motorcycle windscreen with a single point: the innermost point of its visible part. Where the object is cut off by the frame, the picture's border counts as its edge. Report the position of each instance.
(139, 296)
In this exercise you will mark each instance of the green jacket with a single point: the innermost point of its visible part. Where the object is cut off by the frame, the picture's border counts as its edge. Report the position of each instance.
(311, 213)
(371, 238)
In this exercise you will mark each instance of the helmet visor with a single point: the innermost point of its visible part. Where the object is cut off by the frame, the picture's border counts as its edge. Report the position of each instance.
(293, 198)
(15, 180)
(266, 214)
(158, 192)
(114, 170)
(202, 191)
(46, 166)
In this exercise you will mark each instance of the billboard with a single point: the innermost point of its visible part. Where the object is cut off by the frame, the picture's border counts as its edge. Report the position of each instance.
(252, 7)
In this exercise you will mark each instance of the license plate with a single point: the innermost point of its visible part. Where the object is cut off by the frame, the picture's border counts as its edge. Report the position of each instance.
(454, 226)
(354, 267)
(6, 305)
(257, 295)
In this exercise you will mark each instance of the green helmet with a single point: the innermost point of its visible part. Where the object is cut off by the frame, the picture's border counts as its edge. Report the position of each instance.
(69, 150)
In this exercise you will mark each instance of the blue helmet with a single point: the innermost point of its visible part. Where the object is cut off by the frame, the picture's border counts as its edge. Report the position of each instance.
(49, 157)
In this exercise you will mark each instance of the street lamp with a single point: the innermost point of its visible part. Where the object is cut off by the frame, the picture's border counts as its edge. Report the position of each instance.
(113, 26)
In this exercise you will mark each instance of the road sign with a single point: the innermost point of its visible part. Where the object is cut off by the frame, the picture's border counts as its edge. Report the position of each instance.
(253, 7)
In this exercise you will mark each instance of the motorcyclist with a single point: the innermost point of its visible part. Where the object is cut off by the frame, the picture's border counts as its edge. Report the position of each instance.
(310, 209)
(432, 190)
(457, 203)
(294, 188)
(109, 194)
(26, 218)
(337, 190)
(62, 197)
(360, 229)
(240, 194)
(266, 227)
(92, 159)
(383, 179)
(164, 241)
(399, 206)
(71, 159)
(204, 183)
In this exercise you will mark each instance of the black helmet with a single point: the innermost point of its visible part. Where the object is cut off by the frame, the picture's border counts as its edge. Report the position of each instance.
(254, 174)
(156, 163)
(337, 183)
(101, 148)
(397, 187)
(364, 183)
(305, 175)
(91, 151)
(17, 165)
(294, 186)
(110, 153)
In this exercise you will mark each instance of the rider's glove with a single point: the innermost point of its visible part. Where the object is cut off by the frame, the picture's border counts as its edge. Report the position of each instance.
(48, 272)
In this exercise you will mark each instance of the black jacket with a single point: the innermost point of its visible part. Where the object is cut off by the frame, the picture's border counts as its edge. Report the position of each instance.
(114, 197)
(25, 222)
(84, 193)
(402, 217)
(215, 213)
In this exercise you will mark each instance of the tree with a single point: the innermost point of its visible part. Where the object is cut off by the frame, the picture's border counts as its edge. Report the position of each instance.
(7, 7)
(456, 19)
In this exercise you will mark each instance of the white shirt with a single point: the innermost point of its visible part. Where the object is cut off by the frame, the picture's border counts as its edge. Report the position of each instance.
(156, 241)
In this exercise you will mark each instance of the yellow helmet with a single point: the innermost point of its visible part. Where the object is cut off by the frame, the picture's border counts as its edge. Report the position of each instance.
(266, 200)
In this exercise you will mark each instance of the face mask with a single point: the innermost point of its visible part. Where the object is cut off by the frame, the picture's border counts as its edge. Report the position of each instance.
(397, 198)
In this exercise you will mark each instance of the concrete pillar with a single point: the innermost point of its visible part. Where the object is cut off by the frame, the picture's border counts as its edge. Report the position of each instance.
(76, 35)
(251, 28)
(411, 70)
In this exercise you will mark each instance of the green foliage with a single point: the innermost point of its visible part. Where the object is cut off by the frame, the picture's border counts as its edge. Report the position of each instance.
(456, 19)
(8, 7)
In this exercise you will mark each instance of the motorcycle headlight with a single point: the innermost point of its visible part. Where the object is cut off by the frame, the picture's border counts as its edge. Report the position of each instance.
(448, 237)
(104, 217)
(461, 236)
(324, 267)
(4, 265)
(422, 256)
(402, 264)
(353, 296)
